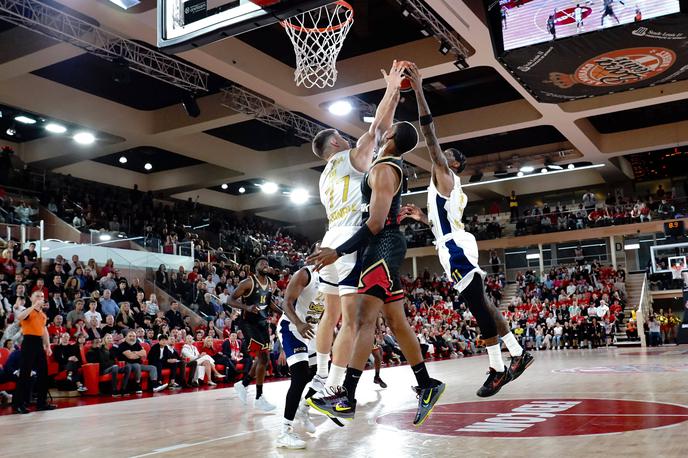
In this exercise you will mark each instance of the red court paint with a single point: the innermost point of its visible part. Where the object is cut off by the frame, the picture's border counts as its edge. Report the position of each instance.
(540, 417)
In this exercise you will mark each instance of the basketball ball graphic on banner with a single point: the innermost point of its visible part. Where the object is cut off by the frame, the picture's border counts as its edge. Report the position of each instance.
(615, 68)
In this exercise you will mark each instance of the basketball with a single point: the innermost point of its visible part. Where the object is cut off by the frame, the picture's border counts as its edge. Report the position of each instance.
(405, 82)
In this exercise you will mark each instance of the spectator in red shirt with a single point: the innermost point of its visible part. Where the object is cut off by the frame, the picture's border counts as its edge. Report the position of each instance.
(56, 328)
(40, 286)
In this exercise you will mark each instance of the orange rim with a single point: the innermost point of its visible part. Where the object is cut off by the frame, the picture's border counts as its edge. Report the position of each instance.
(332, 28)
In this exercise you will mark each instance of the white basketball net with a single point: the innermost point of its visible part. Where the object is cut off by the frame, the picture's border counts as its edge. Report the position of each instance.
(318, 36)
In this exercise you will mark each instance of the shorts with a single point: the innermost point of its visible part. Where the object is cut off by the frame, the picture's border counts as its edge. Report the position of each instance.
(296, 348)
(342, 276)
(256, 337)
(380, 266)
(458, 253)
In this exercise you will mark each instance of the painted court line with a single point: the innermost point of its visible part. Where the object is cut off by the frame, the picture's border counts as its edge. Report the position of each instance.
(575, 414)
(194, 444)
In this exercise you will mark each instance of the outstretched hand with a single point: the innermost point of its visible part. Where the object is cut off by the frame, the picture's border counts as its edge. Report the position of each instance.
(414, 76)
(414, 212)
(396, 74)
(323, 257)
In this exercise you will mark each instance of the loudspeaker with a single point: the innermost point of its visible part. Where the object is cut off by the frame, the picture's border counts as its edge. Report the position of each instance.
(191, 106)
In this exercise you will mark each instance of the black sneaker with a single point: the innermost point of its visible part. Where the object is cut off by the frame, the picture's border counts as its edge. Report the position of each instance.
(137, 388)
(495, 381)
(427, 398)
(380, 382)
(334, 403)
(519, 364)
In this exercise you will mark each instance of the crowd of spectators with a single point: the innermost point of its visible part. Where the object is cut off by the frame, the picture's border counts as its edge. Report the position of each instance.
(577, 306)
(17, 209)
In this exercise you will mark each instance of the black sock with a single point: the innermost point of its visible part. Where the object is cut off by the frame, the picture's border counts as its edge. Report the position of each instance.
(377, 372)
(351, 382)
(310, 393)
(259, 391)
(422, 376)
(246, 381)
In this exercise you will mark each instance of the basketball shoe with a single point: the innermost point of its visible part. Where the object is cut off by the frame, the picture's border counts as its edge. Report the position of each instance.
(304, 417)
(289, 439)
(241, 391)
(519, 364)
(495, 381)
(334, 403)
(263, 404)
(427, 398)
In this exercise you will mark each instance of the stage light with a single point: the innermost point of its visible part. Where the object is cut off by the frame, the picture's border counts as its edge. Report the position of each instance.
(543, 170)
(123, 160)
(445, 48)
(405, 12)
(269, 187)
(527, 169)
(299, 196)
(105, 237)
(224, 186)
(126, 4)
(11, 131)
(242, 190)
(520, 174)
(424, 32)
(551, 166)
(148, 166)
(461, 63)
(571, 166)
(25, 119)
(368, 119)
(340, 108)
(55, 128)
(84, 138)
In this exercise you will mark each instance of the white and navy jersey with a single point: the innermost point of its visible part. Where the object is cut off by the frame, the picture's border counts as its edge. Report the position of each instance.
(445, 212)
(310, 304)
(340, 191)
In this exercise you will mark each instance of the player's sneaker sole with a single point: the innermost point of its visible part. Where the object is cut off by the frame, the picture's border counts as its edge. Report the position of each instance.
(332, 415)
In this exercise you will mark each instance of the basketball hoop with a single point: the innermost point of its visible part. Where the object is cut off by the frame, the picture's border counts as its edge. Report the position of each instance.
(318, 36)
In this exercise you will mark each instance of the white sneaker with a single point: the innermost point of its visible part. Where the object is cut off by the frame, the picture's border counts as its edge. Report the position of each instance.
(304, 417)
(318, 383)
(241, 391)
(289, 439)
(262, 404)
(159, 387)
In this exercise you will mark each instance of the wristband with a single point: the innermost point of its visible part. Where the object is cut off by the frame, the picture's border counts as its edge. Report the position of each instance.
(425, 120)
(356, 241)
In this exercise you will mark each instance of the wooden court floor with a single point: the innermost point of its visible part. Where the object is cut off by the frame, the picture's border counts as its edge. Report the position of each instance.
(625, 402)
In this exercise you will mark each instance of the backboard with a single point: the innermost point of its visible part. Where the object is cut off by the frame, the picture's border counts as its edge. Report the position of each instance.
(186, 24)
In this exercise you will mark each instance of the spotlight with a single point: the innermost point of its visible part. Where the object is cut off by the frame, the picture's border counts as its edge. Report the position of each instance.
(527, 169)
(190, 105)
(224, 186)
(84, 138)
(445, 48)
(269, 187)
(368, 119)
(405, 12)
(55, 128)
(148, 166)
(543, 170)
(126, 4)
(123, 160)
(340, 108)
(242, 190)
(461, 63)
(105, 237)
(424, 32)
(299, 196)
(11, 131)
(520, 174)
(571, 166)
(551, 166)
(25, 119)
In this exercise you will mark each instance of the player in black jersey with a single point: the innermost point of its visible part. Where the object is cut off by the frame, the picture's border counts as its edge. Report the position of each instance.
(256, 294)
(383, 250)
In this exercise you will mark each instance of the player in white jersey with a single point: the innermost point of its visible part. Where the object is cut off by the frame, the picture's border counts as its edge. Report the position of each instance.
(458, 250)
(340, 194)
(303, 306)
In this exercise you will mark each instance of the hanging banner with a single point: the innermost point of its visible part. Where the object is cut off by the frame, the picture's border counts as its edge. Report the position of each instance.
(613, 60)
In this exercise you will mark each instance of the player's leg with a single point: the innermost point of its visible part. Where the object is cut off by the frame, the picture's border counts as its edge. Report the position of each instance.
(429, 390)
(329, 286)
(341, 350)
(377, 357)
(296, 352)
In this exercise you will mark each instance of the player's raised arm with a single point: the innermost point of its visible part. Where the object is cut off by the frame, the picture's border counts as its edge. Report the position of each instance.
(362, 155)
(442, 174)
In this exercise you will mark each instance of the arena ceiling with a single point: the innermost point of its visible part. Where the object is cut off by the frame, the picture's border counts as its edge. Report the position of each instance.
(482, 110)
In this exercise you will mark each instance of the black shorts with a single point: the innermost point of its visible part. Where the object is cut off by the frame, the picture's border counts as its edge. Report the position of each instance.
(382, 260)
(256, 337)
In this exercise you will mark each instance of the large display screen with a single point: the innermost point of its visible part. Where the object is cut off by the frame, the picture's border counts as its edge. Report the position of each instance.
(526, 22)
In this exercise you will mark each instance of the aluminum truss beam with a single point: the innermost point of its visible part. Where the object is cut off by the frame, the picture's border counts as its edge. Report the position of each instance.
(242, 100)
(60, 25)
(426, 17)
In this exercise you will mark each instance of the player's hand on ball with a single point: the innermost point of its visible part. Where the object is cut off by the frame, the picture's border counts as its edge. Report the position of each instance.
(414, 76)
(412, 211)
(322, 258)
(396, 74)
(306, 330)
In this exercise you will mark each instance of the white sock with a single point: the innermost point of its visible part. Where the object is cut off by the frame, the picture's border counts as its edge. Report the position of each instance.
(512, 345)
(336, 377)
(495, 354)
(286, 425)
(322, 359)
